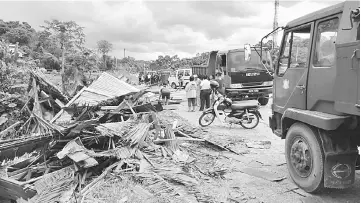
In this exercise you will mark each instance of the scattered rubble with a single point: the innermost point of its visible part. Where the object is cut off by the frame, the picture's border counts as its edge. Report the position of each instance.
(80, 146)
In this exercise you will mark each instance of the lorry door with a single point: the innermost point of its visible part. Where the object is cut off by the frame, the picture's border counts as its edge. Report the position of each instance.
(290, 79)
(323, 70)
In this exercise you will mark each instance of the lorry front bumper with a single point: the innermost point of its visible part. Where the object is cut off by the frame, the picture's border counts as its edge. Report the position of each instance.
(250, 92)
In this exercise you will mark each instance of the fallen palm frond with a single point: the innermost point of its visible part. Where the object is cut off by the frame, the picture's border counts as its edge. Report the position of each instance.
(36, 125)
(55, 186)
(156, 184)
(137, 135)
(115, 129)
(129, 189)
(169, 134)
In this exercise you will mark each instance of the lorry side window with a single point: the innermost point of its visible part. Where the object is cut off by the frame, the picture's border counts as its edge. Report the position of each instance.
(187, 73)
(325, 52)
(295, 50)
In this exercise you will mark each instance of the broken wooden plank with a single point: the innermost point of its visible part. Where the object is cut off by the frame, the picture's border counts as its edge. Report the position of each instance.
(80, 126)
(105, 172)
(178, 139)
(262, 174)
(36, 108)
(131, 108)
(67, 105)
(13, 189)
(4, 132)
(108, 108)
(20, 146)
(209, 142)
(61, 104)
(156, 125)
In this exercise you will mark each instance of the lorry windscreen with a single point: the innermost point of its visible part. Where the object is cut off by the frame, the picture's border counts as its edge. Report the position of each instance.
(236, 62)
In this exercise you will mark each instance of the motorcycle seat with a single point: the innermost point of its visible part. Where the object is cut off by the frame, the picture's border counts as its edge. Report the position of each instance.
(241, 105)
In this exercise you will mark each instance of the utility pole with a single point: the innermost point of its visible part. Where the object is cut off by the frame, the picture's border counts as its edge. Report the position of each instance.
(275, 24)
(124, 53)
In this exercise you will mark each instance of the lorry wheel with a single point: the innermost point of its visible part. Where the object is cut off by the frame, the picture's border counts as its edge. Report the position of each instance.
(305, 157)
(263, 101)
(174, 86)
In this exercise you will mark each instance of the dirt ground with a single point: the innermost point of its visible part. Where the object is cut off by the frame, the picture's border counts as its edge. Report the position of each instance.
(271, 160)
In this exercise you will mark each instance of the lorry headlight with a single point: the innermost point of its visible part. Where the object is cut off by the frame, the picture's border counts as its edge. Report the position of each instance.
(239, 85)
(268, 83)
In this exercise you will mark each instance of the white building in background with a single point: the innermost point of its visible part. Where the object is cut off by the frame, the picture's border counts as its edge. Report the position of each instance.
(12, 50)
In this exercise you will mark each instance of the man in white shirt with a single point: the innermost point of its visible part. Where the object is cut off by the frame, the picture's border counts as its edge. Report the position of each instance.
(205, 87)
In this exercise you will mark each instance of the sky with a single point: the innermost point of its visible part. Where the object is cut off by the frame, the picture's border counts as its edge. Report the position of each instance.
(147, 29)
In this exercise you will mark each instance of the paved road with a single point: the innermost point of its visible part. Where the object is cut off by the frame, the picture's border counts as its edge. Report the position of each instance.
(271, 160)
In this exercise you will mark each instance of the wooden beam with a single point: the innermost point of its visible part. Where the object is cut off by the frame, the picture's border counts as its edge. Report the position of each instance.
(67, 105)
(61, 104)
(2, 133)
(12, 189)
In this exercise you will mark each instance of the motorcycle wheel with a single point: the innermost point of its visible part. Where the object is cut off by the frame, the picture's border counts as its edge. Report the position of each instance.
(208, 118)
(249, 122)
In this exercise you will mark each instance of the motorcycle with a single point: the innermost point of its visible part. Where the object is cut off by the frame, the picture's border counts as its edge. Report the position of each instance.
(244, 113)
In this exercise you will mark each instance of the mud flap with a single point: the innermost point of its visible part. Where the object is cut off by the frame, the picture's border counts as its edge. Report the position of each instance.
(339, 170)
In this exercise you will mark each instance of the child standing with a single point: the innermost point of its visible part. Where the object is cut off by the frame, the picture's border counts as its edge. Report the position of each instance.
(164, 93)
(191, 93)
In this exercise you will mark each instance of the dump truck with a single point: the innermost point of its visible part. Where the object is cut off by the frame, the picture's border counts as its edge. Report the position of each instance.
(247, 74)
(316, 97)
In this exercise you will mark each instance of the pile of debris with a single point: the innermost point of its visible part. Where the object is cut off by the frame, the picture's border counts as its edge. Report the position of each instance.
(69, 149)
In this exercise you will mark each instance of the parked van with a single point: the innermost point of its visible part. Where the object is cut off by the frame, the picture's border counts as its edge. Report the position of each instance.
(185, 73)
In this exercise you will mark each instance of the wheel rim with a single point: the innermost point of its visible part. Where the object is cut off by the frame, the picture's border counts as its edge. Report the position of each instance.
(249, 121)
(207, 119)
(301, 157)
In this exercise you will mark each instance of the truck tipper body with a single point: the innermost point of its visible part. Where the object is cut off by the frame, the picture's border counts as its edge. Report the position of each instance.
(316, 97)
(245, 75)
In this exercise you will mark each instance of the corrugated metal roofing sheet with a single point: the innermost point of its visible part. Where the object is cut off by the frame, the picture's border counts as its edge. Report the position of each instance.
(105, 87)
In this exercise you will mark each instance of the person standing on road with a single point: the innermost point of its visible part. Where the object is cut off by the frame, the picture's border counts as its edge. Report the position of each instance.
(198, 82)
(191, 93)
(205, 93)
(164, 93)
(180, 80)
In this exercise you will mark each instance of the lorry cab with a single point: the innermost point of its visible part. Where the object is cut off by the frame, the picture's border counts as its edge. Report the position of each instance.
(185, 73)
(316, 97)
(246, 75)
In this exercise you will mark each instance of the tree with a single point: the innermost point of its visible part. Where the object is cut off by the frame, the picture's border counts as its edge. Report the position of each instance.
(13, 32)
(104, 47)
(69, 35)
(200, 59)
